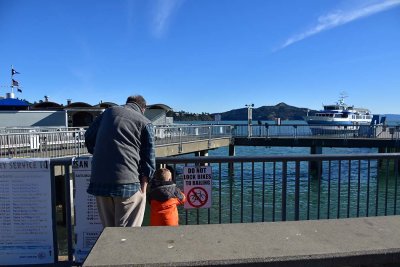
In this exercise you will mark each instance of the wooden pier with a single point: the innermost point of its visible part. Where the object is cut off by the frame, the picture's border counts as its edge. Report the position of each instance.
(312, 141)
(199, 139)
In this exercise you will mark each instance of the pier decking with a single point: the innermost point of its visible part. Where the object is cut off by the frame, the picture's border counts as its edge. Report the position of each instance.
(321, 141)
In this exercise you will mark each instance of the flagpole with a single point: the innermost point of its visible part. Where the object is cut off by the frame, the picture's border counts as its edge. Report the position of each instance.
(12, 84)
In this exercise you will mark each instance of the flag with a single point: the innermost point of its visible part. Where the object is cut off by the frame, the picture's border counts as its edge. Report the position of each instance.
(19, 90)
(14, 72)
(15, 83)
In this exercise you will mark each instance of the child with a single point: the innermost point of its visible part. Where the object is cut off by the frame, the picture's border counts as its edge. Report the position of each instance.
(164, 197)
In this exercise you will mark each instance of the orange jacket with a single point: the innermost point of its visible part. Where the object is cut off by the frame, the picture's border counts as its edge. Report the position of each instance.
(165, 213)
(164, 200)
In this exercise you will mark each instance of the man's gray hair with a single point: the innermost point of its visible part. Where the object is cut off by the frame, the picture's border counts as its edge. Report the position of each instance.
(138, 99)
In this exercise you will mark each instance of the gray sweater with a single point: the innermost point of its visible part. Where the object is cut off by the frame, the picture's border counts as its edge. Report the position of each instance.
(121, 147)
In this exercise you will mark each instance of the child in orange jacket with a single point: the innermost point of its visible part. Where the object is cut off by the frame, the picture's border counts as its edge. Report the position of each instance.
(164, 197)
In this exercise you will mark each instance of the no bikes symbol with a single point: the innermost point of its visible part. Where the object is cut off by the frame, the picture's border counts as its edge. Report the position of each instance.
(197, 186)
(197, 197)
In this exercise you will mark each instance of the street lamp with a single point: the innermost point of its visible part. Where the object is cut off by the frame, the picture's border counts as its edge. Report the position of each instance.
(249, 118)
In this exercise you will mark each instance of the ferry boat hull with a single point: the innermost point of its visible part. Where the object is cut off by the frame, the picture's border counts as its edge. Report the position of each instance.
(334, 128)
(339, 118)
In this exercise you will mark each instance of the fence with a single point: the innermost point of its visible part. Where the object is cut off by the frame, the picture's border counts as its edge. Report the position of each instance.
(187, 133)
(62, 142)
(45, 142)
(278, 188)
(316, 131)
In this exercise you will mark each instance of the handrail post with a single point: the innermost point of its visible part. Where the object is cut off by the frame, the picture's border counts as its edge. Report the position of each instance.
(209, 136)
(180, 139)
(284, 189)
(8, 146)
(78, 144)
(68, 218)
(297, 193)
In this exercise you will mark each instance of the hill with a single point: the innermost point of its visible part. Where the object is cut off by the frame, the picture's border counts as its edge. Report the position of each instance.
(281, 110)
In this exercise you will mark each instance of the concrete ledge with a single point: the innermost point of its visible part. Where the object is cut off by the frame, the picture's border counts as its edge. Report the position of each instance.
(343, 242)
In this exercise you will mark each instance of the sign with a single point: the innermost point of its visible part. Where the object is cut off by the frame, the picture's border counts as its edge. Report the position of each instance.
(27, 235)
(197, 185)
(88, 225)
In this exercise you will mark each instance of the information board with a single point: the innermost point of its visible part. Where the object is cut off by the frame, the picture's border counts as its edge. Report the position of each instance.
(26, 214)
(88, 225)
(197, 184)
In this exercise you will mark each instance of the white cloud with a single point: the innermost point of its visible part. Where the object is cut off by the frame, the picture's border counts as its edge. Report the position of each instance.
(163, 11)
(340, 17)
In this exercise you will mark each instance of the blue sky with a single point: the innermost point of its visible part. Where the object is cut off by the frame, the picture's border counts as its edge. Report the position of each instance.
(204, 55)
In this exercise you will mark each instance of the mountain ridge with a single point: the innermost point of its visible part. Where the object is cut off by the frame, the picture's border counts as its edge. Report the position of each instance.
(280, 110)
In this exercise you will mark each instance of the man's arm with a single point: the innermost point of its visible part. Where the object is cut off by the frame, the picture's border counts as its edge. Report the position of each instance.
(144, 181)
(147, 156)
(91, 134)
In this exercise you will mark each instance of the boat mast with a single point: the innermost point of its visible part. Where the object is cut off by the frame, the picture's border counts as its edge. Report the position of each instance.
(341, 102)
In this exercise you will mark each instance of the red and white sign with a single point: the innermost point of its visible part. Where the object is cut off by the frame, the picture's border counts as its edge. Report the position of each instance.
(197, 184)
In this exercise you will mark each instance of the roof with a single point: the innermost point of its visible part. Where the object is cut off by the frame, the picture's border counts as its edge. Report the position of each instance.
(159, 106)
(45, 105)
(13, 102)
(79, 105)
(105, 105)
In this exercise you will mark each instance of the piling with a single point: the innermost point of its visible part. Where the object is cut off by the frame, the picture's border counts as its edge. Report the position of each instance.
(315, 166)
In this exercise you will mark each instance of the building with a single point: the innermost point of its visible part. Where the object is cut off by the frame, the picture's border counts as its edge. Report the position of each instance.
(15, 112)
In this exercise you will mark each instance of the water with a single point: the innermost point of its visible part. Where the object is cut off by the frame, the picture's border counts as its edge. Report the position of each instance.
(254, 192)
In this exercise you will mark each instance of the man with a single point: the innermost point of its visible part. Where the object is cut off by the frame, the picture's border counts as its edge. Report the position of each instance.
(121, 140)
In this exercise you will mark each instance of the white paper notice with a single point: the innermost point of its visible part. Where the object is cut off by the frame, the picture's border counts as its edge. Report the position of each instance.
(26, 228)
(88, 225)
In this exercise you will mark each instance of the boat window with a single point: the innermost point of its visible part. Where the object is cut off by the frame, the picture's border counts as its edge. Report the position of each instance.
(345, 115)
(331, 107)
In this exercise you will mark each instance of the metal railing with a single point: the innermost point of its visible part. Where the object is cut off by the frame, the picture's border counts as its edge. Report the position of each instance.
(58, 142)
(62, 142)
(186, 133)
(40, 143)
(278, 188)
(317, 131)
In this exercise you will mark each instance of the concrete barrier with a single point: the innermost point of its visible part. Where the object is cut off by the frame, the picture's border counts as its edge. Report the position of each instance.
(342, 242)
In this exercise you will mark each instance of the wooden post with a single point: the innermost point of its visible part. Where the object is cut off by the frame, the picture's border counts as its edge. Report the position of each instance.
(315, 166)
(381, 150)
(231, 154)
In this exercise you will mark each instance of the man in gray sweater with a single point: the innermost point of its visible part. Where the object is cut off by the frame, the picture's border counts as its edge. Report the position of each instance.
(121, 140)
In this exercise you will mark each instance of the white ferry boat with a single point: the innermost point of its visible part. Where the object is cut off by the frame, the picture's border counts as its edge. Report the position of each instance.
(338, 117)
